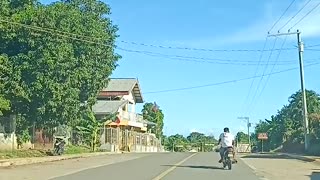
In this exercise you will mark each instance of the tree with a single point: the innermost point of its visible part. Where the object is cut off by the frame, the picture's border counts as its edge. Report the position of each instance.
(176, 142)
(193, 140)
(90, 127)
(56, 68)
(4, 103)
(151, 112)
(242, 137)
(285, 129)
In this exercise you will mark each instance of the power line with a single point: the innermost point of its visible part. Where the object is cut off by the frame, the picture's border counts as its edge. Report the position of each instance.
(56, 32)
(312, 49)
(305, 16)
(256, 71)
(225, 82)
(314, 45)
(200, 49)
(61, 34)
(64, 33)
(247, 97)
(264, 71)
(73, 36)
(294, 15)
(268, 77)
(282, 15)
(202, 59)
(182, 58)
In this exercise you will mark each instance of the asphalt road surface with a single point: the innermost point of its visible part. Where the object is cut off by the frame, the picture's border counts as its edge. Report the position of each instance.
(166, 166)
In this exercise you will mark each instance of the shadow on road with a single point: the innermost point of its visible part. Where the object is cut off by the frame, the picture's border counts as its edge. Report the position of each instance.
(276, 156)
(315, 176)
(197, 167)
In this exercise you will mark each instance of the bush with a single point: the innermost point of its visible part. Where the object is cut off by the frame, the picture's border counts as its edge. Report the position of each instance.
(70, 149)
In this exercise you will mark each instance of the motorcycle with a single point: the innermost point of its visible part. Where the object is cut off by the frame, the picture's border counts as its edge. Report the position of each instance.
(59, 146)
(228, 155)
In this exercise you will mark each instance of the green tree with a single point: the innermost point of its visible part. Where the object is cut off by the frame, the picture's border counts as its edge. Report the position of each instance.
(177, 142)
(285, 129)
(242, 137)
(4, 103)
(151, 112)
(90, 127)
(56, 68)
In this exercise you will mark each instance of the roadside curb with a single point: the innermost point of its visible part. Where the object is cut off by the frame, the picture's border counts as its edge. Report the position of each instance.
(301, 157)
(34, 160)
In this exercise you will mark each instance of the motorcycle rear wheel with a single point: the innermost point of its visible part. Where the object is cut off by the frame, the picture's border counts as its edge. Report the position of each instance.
(229, 164)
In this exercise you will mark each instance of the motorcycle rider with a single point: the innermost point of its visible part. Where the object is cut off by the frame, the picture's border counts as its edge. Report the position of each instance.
(226, 140)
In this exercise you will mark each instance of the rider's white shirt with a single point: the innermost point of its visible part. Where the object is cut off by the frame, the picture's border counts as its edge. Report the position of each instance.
(226, 139)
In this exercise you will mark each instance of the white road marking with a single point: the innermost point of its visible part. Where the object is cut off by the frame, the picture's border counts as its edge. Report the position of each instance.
(252, 167)
(91, 167)
(173, 167)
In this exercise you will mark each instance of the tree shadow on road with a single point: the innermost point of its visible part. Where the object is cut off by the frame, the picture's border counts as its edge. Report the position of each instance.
(315, 176)
(196, 167)
(276, 156)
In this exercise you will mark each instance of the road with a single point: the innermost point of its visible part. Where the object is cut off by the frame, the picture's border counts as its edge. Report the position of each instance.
(164, 166)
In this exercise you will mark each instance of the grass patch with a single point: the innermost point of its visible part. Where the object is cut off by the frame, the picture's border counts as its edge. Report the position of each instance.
(70, 149)
(21, 154)
(8, 154)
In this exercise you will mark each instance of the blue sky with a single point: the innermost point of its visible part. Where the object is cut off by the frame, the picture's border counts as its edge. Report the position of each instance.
(211, 24)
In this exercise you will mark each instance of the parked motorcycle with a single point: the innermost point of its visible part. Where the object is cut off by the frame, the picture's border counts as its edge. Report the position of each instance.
(227, 158)
(59, 146)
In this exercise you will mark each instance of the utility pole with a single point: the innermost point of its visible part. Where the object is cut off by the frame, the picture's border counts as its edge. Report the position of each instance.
(304, 99)
(303, 90)
(248, 126)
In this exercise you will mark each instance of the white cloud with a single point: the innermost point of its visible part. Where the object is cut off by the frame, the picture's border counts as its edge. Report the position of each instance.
(258, 29)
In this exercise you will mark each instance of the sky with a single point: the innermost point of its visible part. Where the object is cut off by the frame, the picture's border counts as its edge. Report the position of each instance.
(225, 25)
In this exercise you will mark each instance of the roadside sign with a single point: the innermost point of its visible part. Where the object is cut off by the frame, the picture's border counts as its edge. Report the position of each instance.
(262, 136)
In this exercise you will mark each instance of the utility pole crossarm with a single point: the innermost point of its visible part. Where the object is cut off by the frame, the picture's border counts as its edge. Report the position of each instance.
(283, 34)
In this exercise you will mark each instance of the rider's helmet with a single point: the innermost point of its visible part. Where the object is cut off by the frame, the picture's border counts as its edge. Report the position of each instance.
(226, 130)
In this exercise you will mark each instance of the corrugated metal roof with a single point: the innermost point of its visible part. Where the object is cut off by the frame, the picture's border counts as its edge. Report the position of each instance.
(121, 84)
(125, 84)
(105, 107)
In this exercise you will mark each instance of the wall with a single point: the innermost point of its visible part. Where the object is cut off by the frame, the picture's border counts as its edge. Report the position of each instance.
(115, 140)
(8, 141)
(243, 148)
(130, 98)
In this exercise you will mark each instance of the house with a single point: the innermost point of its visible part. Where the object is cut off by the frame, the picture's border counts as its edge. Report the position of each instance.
(129, 131)
(121, 96)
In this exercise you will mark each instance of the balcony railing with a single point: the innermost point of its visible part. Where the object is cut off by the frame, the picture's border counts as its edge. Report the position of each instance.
(131, 116)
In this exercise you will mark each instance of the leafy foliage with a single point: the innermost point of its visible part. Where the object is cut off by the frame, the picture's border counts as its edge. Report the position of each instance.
(46, 73)
(285, 129)
(194, 140)
(154, 114)
(242, 137)
(90, 127)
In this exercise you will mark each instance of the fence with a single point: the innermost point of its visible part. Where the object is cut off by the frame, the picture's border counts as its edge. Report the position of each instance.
(111, 139)
(7, 136)
(243, 148)
(116, 139)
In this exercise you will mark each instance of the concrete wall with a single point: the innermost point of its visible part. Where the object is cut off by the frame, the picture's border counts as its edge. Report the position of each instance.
(8, 141)
(130, 98)
(243, 148)
(136, 148)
